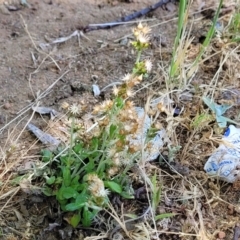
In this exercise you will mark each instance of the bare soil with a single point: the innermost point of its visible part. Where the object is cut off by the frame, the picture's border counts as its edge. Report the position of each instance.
(98, 57)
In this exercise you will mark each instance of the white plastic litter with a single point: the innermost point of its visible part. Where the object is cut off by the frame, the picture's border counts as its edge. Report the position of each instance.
(151, 147)
(225, 162)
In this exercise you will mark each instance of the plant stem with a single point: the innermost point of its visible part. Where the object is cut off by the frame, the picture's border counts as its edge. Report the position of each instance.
(138, 56)
(181, 17)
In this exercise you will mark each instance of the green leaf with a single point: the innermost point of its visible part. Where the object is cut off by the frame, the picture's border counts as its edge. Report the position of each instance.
(222, 121)
(47, 191)
(75, 180)
(78, 148)
(80, 201)
(156, 192)
(115, 187)
(59, 180)
(164, 215)
(47, 155)
(75, 219)
(82, 197)
(67, 160)
(81, 187)
(94, 143)
(209, 103)
(87, 217)
(221, 109)
(74, 206)
(63, 204)
(157, 197)
(69, 192)
(59, 194)
(66, 193)
(18, 179)
(218, 110)
(112, 130)
(126, 195)
(119, 102)
(90, 167)
(50, 180)
(66, 176)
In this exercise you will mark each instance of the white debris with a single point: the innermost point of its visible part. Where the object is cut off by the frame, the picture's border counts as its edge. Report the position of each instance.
(45, 110)
(45, 138)
(151, 147)
(96, 90)
(224, 163)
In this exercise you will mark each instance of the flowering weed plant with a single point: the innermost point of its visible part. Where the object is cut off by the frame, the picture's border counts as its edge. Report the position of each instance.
(98, 159)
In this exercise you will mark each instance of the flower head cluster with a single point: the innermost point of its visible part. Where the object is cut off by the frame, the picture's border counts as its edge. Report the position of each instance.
(75, 109)
(141, 33)
(121, 150)
(120, 159)
(148, 65)
(103, 108)
(143, 67)
(125, 90)
(96, 186)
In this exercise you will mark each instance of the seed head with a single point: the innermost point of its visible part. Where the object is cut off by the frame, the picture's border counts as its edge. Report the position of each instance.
(143, 28)
(75, 109)
(143, 38)
(127, 77)
(96, 186)
(113, 171)
(129, 104)
(107, 105)
(148, 65)
(129, 92)
(64, 105)
(116, 90)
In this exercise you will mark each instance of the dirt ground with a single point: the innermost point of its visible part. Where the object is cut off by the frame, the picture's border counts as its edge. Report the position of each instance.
(28, 66)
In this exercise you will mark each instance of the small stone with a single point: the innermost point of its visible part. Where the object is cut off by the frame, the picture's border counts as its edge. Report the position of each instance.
(231, 209)
(124, 42)
(221, 234)
(7, 106)
(171, 7)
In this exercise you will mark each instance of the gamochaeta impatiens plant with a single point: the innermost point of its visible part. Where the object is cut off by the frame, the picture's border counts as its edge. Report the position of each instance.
(99, 158)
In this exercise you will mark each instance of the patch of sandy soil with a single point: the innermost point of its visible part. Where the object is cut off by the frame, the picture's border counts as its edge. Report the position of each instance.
(28, 67)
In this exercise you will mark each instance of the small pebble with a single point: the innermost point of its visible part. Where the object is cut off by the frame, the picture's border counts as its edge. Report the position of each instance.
(124, 42)
(171, 7)
(221, 234)
(7, 106)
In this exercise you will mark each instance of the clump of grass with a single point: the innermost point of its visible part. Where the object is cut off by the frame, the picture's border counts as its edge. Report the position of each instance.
(233, 28)
(179, 76)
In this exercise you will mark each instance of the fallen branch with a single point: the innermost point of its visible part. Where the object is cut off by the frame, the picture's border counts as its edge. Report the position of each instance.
(92, 27)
